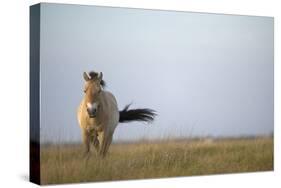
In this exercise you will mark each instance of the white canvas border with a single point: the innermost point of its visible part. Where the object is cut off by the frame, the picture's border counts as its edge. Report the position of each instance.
(14, 91)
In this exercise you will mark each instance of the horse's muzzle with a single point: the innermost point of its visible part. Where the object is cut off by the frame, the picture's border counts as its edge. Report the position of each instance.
(92, 113)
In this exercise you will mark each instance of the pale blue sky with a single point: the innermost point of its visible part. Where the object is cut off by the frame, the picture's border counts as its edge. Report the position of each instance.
(205, 74)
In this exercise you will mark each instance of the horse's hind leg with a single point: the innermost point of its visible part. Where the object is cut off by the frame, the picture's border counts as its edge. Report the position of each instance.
(107, 144)
(105, 141)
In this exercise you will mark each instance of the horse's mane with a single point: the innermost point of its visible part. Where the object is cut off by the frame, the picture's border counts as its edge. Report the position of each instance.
(93, 75)
(102, 83)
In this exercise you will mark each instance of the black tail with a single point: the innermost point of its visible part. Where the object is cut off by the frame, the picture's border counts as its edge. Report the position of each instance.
(144, 114)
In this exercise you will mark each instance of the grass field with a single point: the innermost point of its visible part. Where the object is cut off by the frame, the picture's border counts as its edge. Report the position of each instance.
(64, 163)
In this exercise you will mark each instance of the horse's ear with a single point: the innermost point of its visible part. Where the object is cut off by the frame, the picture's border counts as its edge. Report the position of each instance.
(100, 76)
(86, 76)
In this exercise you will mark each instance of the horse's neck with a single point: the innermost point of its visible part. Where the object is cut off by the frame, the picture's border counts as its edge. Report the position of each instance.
(102, 107)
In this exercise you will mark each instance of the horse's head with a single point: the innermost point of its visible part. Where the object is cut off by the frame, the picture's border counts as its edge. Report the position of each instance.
(93, 88)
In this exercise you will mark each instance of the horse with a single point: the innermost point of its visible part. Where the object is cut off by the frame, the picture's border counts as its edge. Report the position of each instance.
(98, 114)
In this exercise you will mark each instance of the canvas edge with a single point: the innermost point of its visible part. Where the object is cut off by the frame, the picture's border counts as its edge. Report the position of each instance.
(34, 95)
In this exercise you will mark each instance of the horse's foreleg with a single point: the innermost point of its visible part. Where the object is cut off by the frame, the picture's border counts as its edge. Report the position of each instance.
(94, 139)
(86, 142)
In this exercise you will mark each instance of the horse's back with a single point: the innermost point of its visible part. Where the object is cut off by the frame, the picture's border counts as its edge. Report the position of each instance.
(109, 97)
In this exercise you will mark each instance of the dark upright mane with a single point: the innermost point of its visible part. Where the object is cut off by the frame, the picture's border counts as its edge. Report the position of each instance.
(102, 83)
(93, 75)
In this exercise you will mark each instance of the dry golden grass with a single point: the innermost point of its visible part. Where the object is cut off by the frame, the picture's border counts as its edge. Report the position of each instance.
(65, 164)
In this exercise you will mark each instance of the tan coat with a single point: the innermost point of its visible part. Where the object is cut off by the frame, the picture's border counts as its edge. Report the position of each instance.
(99, 130)
(98, 114)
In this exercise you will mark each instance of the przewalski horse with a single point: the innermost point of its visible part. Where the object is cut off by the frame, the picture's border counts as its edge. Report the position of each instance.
(98, 114)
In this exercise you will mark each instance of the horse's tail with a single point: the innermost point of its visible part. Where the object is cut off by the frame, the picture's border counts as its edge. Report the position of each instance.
(144, 114)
